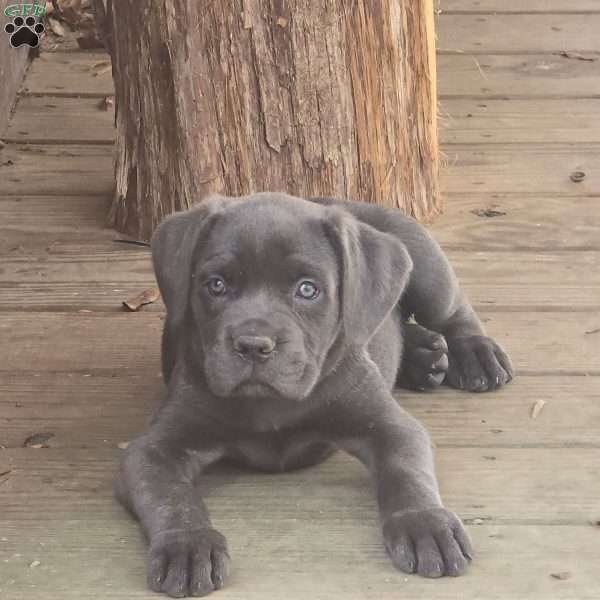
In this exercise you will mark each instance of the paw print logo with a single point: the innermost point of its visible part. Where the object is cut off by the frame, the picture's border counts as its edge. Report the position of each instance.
(24, 31)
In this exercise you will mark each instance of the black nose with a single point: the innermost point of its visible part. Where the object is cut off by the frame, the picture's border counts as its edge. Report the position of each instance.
(254, 347)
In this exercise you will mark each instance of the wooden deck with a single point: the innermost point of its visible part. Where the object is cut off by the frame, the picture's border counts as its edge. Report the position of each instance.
(519, 116)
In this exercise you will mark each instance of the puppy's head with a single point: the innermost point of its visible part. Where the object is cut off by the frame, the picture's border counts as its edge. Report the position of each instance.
(266, 286)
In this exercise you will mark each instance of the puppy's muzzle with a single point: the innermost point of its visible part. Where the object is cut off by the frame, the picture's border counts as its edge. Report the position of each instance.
(253, 347)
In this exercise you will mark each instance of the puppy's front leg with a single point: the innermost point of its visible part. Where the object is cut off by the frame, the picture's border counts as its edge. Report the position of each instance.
(187, 556)
(420, 535)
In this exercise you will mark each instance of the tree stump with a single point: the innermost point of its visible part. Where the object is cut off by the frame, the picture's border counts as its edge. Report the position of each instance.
(311, 97)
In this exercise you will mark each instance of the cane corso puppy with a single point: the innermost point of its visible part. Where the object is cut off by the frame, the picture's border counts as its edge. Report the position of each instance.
(289, 321)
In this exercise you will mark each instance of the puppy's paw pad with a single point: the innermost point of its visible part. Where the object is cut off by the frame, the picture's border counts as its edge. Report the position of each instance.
(187, 562)
(477, 364)
(425, 359)
(432, 543)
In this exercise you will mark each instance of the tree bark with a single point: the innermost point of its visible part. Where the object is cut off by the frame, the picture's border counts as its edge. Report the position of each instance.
(311, 97)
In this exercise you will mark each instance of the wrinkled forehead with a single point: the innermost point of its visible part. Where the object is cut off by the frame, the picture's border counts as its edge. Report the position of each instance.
(265, 236)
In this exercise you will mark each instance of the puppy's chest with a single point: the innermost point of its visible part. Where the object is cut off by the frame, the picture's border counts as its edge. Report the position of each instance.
(279, 452)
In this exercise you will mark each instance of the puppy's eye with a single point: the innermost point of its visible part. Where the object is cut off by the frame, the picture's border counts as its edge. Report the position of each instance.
(307, 290)
(216, 286)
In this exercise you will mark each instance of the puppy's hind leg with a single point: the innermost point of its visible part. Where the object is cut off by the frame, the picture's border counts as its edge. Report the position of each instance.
(425, 358)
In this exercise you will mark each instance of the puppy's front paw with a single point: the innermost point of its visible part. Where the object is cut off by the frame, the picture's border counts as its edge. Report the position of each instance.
(187, 562)
(429, 542)
(425, 359)
(477, 363)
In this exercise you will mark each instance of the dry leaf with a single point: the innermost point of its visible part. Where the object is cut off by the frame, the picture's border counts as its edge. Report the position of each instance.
(56, 27)
(101, 67)
(146, 297)
(537, 408)
(577, 176)
(282, 22)
(123, 445)
(562, 575)
(38, 440)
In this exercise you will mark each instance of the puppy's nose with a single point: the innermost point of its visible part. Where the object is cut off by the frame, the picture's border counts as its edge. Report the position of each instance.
(254, 347)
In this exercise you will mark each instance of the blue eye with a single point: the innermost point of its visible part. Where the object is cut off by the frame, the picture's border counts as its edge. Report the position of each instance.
(216, 286)
(307, 290)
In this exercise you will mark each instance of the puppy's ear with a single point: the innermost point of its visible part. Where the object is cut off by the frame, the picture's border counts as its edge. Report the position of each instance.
(173, 245)
(375, 269)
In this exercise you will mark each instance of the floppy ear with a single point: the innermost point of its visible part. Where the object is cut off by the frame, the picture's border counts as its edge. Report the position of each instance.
(375, 271)
(173, 245)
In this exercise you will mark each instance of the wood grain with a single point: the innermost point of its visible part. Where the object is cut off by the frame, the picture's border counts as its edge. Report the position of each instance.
(519, 34)
(99, 278)
(13, 62)
(99, 411)
(539, 342)
(62, 120)
(512, 488)
(538, 169)
(70, 74)
(288, 555)
(539, 76)
(512, 6)
(464, 120)
(517, 76)
(471, 121)
(523, 221)
(30, 169)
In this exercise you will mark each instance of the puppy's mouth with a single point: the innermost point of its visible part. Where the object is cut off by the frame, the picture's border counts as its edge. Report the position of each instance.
(255, 388)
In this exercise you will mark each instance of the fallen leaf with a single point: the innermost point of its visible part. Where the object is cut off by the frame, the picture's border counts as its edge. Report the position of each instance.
(38, 440)
(282, 22)
(592, 331)
(123, 445)
(488, 212)
(577, 176)
(562, 575)
(146, 297)
(35, 563)
(576, 56)
(537, 408)
(56, 27)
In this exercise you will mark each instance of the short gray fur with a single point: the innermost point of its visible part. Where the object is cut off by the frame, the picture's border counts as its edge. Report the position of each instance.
(262, 375)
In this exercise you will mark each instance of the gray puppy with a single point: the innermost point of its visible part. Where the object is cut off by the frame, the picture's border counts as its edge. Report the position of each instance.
(286, 331)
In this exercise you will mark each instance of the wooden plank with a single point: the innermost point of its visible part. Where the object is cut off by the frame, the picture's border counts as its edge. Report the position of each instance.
(92, 411)
(74, 225)
(541, 76)
(515, 487)
(465, 120)
(539, 342)
(471, 121)
(519, 76)
(517, 6)
(13, 62)
(55, 170)
(530, 222)
(23, 215)
(61, 120)
(70, 74)
(538, 169)
(97, 279)
(519, 34)
(292, 557)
